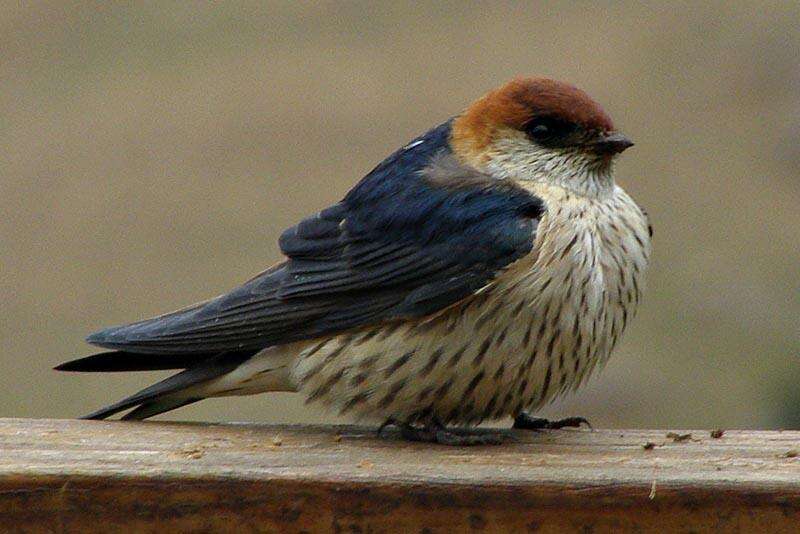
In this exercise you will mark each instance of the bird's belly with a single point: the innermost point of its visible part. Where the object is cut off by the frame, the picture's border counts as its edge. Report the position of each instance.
(536, 332)
(512, 348)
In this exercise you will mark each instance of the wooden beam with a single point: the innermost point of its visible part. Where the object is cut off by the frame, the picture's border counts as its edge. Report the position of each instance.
(82, 476)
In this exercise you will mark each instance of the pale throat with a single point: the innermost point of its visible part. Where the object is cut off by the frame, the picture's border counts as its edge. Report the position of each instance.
(569, 169)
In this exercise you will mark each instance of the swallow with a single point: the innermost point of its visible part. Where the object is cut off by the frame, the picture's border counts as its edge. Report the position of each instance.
(484, 268)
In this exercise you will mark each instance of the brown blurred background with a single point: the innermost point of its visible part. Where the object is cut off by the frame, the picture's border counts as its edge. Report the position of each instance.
(151, 155)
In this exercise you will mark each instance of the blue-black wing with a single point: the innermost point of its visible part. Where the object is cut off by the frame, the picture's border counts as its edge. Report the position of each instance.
(417, 234)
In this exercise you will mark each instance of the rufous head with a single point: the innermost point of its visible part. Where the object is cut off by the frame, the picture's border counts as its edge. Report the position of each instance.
(528, 121)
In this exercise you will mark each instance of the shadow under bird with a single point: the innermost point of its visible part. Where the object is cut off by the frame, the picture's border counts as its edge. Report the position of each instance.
(476, 273)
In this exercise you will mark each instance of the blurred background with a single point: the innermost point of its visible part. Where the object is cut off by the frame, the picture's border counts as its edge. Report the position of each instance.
(150, 155)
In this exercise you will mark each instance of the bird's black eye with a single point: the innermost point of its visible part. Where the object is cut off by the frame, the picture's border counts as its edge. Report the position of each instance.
(550, 131)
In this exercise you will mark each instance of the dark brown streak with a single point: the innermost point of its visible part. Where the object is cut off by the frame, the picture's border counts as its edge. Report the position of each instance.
(501, 337)
(324, 388)
(484, 348)
(500, 371)
(546, 386)
(332, 356)
(506, 401)
(527, 338)
(397, 364)
(369, 361)
(425, 393)
(457, 356)
(474, 383)
(486, 316)
(350, 404)
(316, 348)
(358, 379)
(569, 246)
(440, 392)
(389, 330)
(366, 337)
(389, 398)
(489, 410)
(545, 284)
(434, 360)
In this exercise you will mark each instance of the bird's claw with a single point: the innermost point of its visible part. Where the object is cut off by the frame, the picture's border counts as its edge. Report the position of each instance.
(435, 432)
(389, 422)
(528, 422)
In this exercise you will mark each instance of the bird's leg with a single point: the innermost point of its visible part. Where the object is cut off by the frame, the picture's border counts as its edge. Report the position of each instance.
(436, 432)
(389, 422)
(528, 422)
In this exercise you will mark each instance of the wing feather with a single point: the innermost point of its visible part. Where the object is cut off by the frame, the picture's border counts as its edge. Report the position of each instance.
(418, 234)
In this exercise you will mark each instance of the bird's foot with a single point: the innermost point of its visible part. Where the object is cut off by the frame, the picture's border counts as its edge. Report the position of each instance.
(528, 422)
(389, 422)
(435, 432)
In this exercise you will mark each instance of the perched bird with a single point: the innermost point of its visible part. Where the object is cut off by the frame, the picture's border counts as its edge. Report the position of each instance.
(476, 273)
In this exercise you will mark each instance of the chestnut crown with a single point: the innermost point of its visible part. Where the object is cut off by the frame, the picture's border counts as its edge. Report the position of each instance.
(550, 113)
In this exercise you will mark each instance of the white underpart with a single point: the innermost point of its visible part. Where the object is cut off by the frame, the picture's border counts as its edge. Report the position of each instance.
(515, 157)
(269, 370)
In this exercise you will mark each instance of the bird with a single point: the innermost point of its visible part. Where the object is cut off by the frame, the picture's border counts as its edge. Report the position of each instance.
(477, 273)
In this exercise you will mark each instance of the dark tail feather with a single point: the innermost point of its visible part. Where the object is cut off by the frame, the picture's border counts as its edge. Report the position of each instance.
(118, 361)
(165, 395)
(149, 409)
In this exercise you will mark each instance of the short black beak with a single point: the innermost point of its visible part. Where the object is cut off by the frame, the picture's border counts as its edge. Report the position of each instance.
(611, 143)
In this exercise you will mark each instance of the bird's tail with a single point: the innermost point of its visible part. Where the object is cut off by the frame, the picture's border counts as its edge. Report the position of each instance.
(173, 392)
(120, 361)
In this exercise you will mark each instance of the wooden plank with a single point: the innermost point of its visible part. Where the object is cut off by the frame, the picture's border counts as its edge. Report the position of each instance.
(81, 476)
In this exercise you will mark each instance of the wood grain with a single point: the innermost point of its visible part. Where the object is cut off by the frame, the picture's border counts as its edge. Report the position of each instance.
(83, 476)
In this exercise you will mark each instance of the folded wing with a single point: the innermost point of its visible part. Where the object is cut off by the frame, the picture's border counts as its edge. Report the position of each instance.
(417, 234)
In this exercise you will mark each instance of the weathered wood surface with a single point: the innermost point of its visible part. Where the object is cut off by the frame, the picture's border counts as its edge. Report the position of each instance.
(80, 476)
